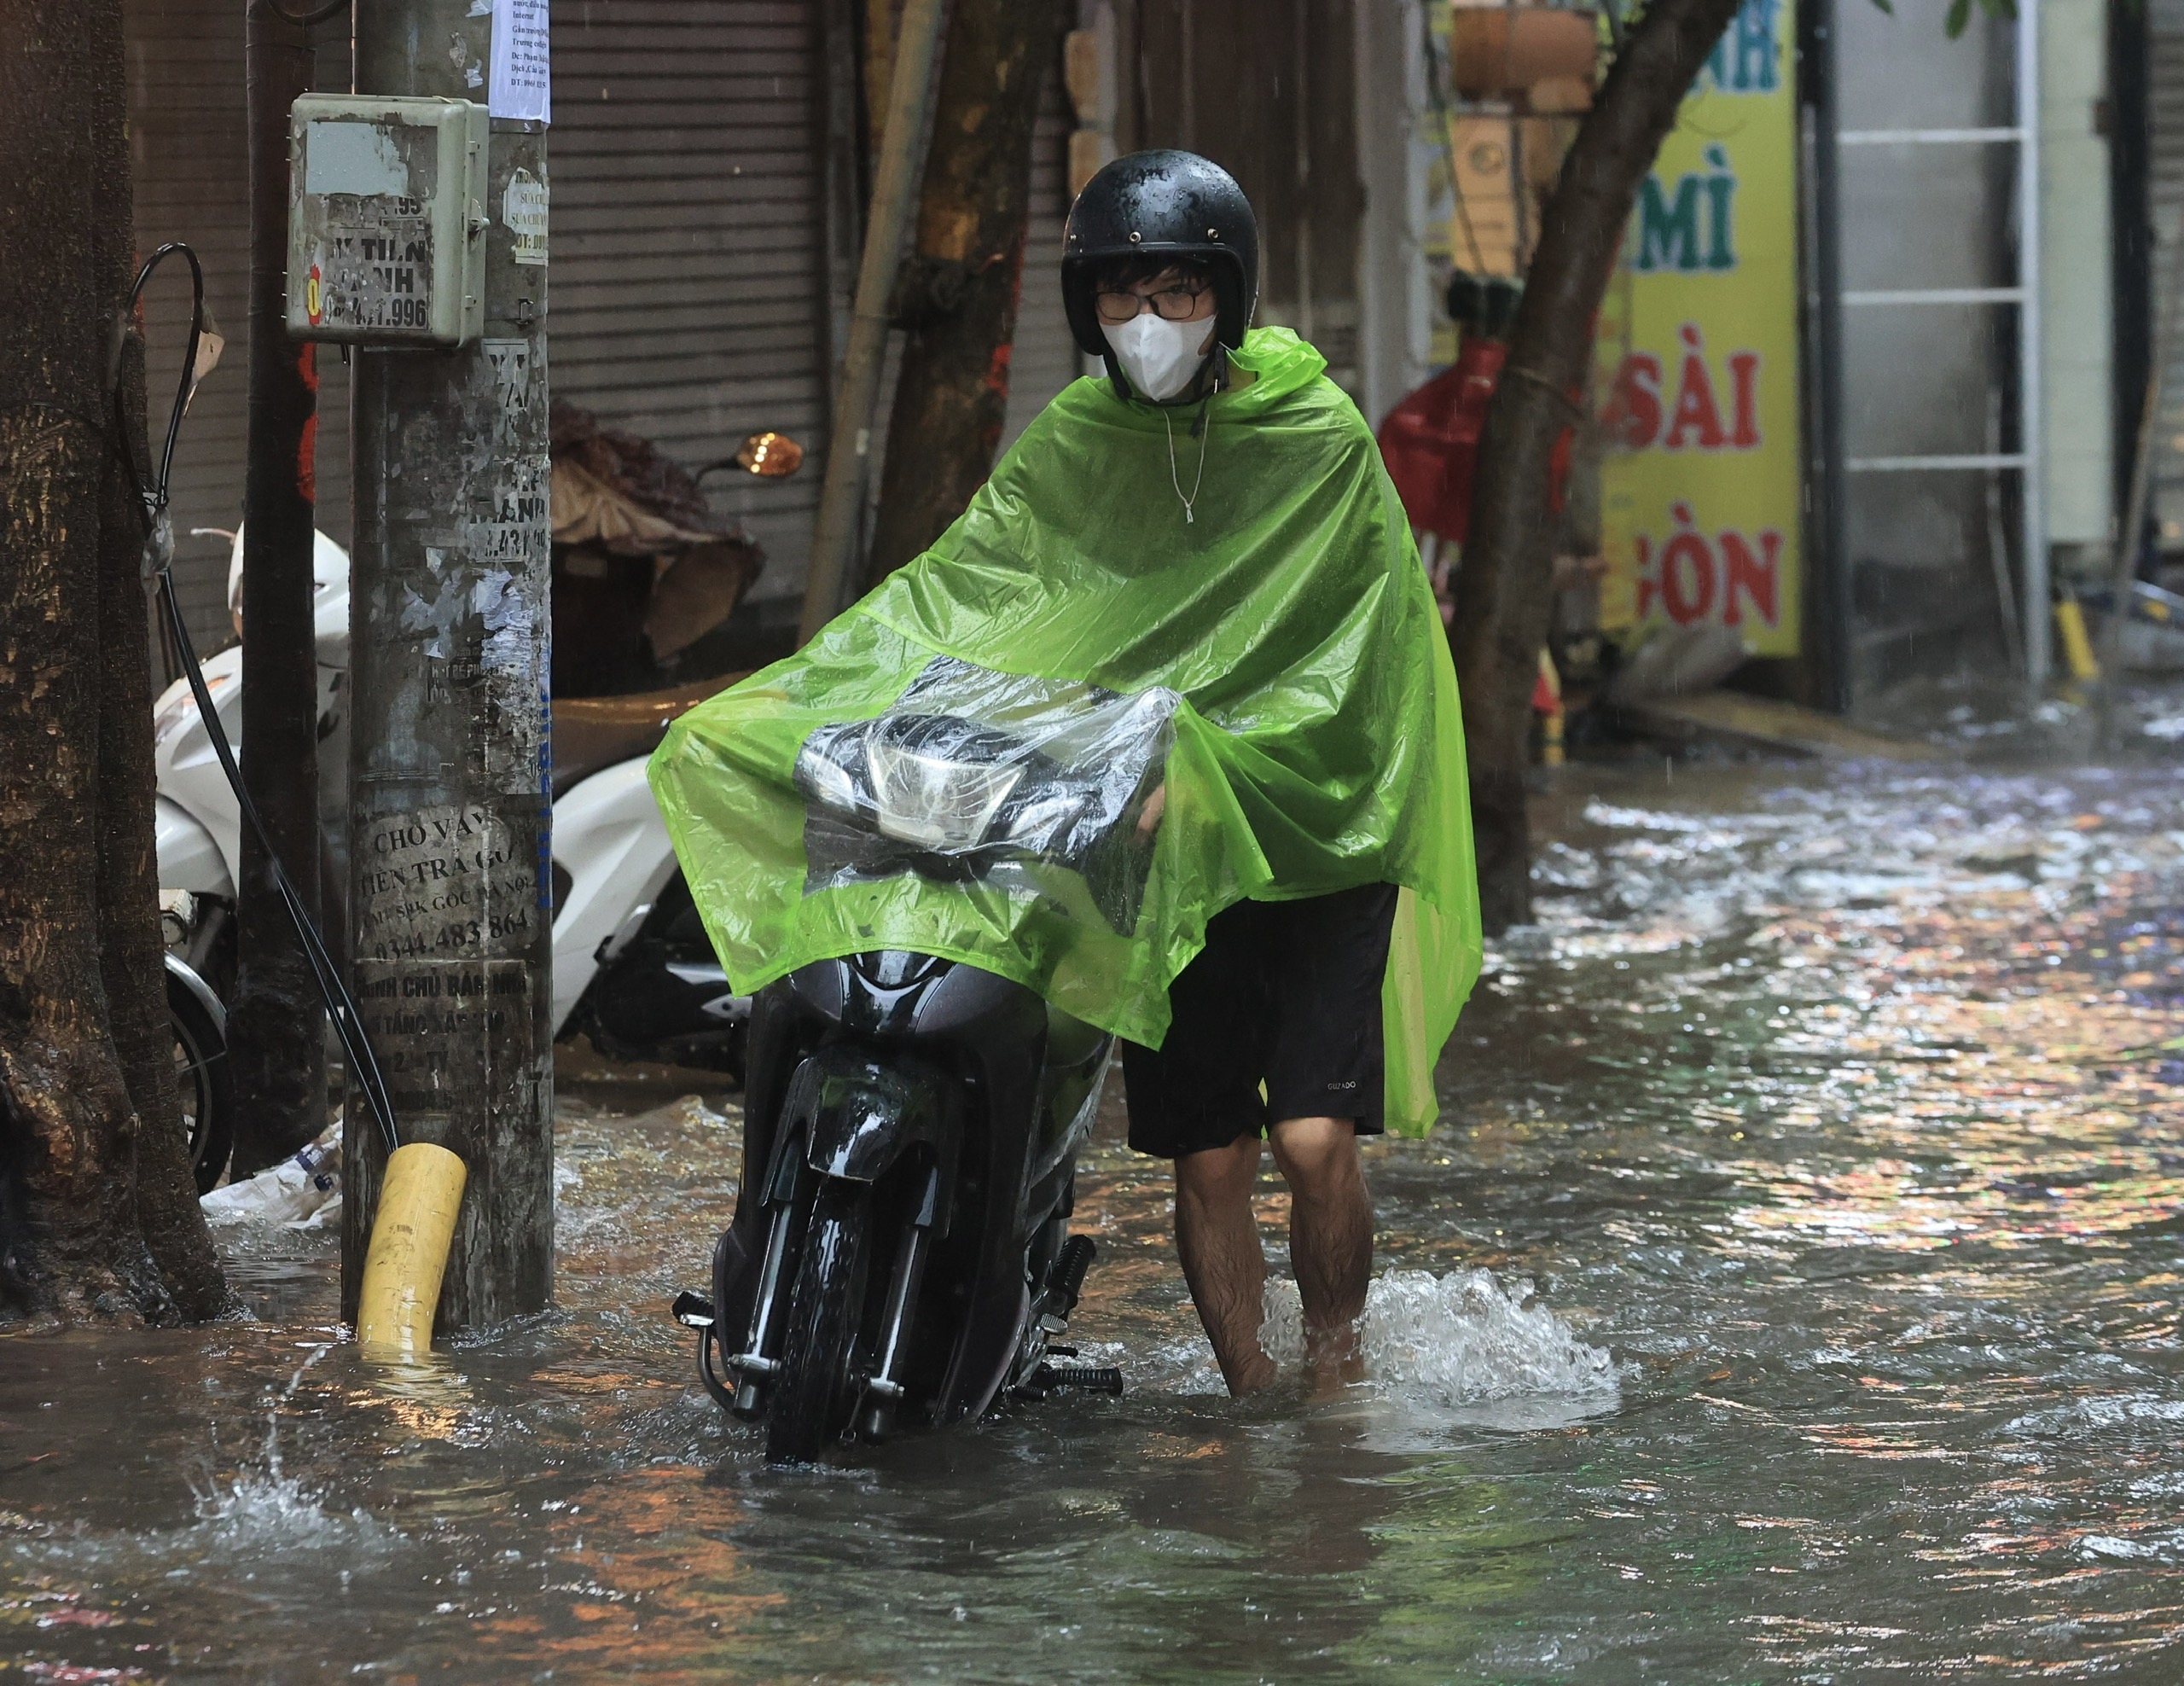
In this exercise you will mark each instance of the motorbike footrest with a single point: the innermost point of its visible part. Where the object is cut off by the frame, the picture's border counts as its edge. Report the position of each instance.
(1093, 1378)
(1065, 1280)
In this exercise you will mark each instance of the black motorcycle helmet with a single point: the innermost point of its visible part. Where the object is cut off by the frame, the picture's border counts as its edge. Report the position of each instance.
(1162, 203)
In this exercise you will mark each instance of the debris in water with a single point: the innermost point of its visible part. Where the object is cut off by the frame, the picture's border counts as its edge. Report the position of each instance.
(303, 1192)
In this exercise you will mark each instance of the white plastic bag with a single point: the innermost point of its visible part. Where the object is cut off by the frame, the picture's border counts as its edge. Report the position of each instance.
(297, 1193)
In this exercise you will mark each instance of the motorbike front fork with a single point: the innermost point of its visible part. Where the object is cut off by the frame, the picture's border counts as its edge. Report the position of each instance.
(759, 1359)
(883, 1392)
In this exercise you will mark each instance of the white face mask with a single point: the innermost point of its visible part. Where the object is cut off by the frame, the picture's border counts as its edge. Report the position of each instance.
(1161, 358)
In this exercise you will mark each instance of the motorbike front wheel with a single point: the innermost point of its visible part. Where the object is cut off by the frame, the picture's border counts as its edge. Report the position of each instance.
(204, 1081)
(815, 1392)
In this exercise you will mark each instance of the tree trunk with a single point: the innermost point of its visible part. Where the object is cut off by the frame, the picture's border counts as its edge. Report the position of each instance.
(276, 1025)
(1504, 590)
(98, 1213)
(957, 295)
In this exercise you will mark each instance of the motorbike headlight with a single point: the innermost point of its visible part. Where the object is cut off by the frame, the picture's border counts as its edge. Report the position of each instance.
(934, 803)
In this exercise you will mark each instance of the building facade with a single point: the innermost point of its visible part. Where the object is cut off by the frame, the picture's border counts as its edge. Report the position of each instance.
(706, 184)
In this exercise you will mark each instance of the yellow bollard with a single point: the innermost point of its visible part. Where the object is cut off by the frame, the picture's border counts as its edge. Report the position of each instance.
(419, 1198)
(1547, 703)
(2077, 648)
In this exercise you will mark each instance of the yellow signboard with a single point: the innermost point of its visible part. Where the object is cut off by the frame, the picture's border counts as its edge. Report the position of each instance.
(1700, 486)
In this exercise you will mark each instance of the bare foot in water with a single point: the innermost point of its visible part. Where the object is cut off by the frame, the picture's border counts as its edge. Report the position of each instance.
(1333, 1359)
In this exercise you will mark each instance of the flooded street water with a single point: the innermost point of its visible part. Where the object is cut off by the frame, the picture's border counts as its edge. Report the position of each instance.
(1824, 1119)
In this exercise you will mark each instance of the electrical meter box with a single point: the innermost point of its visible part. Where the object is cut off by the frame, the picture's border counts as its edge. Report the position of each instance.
(386, 220)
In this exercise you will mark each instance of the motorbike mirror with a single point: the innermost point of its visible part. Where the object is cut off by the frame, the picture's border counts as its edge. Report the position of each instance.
(770, 456)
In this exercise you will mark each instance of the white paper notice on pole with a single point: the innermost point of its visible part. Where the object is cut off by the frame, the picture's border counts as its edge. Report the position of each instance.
(522, 76)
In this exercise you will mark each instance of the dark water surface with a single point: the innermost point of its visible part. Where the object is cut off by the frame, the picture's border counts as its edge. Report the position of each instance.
(1825, 1114)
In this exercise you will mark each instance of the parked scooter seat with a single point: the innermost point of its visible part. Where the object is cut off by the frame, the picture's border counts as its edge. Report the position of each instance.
(593, 733)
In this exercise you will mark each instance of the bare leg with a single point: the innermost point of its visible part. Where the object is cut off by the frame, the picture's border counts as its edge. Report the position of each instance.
(1222, 1261)
(1330, 1238)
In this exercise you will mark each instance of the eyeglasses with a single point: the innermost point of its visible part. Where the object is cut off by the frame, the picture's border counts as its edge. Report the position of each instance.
(1174, 304)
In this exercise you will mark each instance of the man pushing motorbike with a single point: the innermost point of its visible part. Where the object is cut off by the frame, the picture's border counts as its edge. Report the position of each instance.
(1281, 921)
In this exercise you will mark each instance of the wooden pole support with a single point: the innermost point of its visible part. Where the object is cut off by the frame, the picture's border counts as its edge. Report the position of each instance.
(894, 191)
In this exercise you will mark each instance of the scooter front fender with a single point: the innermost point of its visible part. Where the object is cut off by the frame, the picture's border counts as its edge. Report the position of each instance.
(847, 1116)
(863, 1116)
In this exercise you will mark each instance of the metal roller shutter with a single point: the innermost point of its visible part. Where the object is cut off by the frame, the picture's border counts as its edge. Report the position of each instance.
(189, 151)
(687, 286)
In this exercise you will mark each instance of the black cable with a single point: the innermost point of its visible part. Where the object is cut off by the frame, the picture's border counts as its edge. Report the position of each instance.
(331, 10)
(341, 1005)
(155, 493)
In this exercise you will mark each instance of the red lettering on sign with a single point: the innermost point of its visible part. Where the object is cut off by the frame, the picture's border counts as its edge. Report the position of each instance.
(1633, 413)
(1696, 412)
(1687, 571)
(1696, 574)
(1744, 377)
(1758, 577)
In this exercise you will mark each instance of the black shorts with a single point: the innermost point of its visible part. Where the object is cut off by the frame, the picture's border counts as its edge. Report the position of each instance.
(1284, 993)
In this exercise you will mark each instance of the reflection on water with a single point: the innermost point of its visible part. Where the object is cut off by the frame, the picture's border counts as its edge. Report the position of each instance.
(1835, 1126)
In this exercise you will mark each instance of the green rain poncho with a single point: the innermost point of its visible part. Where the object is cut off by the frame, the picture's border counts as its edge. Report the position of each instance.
(1276, 663)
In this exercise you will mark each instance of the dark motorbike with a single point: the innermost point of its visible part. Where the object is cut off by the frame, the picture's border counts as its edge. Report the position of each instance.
(900, 1250)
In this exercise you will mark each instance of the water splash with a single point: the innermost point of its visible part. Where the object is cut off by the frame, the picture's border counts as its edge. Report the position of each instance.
(259, 1524)
(265, 1510)
(257, 1513)
(1458, 1340)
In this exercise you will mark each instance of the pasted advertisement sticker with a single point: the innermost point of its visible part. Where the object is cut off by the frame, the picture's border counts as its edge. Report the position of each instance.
(444, 883)
(435, 1024)
(515, 364)
(516, 542)
(376, 268)
(346, 156)
(523, 211)
(523, 83)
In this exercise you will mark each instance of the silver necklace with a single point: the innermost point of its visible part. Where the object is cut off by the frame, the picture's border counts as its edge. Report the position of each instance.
(1175, 478)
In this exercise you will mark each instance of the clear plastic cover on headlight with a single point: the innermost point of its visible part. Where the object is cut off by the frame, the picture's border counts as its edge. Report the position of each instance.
(986, 774)
(934, 802)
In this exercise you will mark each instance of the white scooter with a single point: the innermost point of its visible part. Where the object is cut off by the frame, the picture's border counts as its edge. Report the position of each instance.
(632, 965)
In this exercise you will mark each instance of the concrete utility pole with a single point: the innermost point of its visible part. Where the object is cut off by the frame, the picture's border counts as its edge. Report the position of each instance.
(276, 1026)
(450, 814)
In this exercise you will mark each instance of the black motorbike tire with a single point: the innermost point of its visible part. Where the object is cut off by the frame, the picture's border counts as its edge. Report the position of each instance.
(814, 1393)
(206, 1082)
